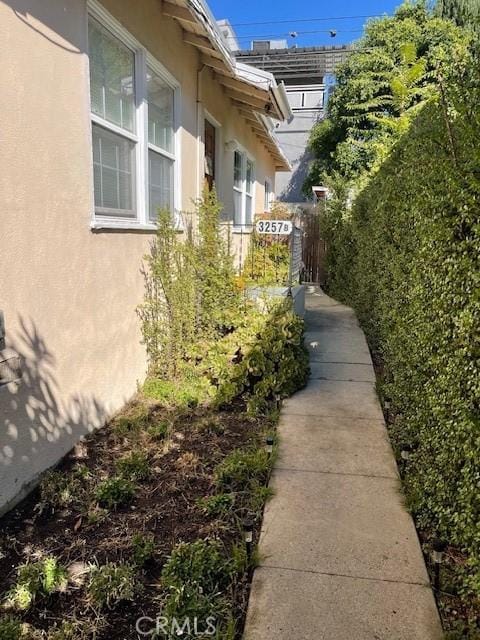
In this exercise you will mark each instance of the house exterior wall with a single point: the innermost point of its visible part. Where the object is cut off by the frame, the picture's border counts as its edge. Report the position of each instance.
(69, 292)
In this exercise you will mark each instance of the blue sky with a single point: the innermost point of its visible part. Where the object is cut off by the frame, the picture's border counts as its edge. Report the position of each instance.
(240, 11)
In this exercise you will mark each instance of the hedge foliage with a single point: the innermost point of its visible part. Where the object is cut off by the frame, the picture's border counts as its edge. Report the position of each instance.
(406, 255)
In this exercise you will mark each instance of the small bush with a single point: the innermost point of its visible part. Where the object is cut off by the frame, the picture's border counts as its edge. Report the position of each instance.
(40, 578)
(185, 604)
(143, 549)
(133, 467)
(218, 505)
(115, 491)
(200, 563)
(195, 576)
(112, 583)
(243, 468)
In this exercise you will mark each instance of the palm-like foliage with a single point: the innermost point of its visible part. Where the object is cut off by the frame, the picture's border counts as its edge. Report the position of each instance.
(380, 88)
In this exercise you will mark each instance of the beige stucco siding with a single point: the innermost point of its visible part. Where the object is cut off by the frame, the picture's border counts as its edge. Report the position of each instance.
(69, 293)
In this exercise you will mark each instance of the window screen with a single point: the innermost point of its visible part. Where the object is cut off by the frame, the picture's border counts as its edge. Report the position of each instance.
(113, 169)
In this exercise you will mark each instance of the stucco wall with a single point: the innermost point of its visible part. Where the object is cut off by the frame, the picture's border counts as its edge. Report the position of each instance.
(68, 293)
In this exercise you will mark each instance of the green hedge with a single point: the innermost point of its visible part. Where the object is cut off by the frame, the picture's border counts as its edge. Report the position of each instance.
(407, 257)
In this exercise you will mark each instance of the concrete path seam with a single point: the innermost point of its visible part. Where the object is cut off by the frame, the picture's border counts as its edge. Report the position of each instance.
(338, 473)
(343, 575)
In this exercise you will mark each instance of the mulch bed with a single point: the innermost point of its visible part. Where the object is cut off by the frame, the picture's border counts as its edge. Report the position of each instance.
(164, 505)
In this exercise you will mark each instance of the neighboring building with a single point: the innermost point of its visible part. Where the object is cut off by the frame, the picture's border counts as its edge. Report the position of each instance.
(229, 35)
(307, 73)
(109, 110)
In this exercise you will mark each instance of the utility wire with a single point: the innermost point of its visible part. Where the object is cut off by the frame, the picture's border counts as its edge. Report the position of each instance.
(290, 34)
(331, 18)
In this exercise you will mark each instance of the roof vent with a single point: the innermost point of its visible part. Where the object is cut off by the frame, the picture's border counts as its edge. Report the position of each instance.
(261, 45)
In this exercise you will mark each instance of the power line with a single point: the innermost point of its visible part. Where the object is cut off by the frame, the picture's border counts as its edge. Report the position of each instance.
(245, 24)
(287, 54)
(297, 33)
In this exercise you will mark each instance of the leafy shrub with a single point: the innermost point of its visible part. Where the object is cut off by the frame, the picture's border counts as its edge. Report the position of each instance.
(407, 260)
(143, 549)
(115, 491)
(40, 578)
(241, 469)
(111, 583)
(218, 505)
(197, 576)
(190, 288)
(205, 345)
(134, 466)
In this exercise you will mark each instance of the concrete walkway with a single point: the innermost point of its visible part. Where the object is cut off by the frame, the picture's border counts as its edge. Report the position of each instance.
(340, 555)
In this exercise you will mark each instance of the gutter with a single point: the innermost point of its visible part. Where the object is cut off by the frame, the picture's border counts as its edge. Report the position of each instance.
(281, 98)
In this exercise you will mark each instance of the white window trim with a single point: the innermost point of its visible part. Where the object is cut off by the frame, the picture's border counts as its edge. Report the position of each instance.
(244, 227)
(267, 202)
(143, 61)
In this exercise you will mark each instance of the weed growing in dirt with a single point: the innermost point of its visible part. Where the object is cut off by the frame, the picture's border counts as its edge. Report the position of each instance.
(36, 579)
(134, 466)
(115, 491)
(132, 421)
(143, 546)
(241, 468)
(112, 583)
(201, 562)
(219, 505)
(258, 497)
(10, 629)
(158, 431)
(196, 577)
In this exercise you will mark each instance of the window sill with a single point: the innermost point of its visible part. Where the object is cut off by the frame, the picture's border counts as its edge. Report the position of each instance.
(127, 225)
(109, 225)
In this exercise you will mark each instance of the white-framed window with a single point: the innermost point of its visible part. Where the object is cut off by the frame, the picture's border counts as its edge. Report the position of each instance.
(302, 98)
(243, 188)
(133, 112)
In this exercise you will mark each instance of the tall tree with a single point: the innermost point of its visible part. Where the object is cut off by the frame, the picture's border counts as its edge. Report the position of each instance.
(465, 13)
(380, 88)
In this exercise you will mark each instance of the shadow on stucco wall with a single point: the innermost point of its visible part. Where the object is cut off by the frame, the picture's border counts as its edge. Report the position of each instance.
(37, 429)
(293, 191)
(50, 19)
